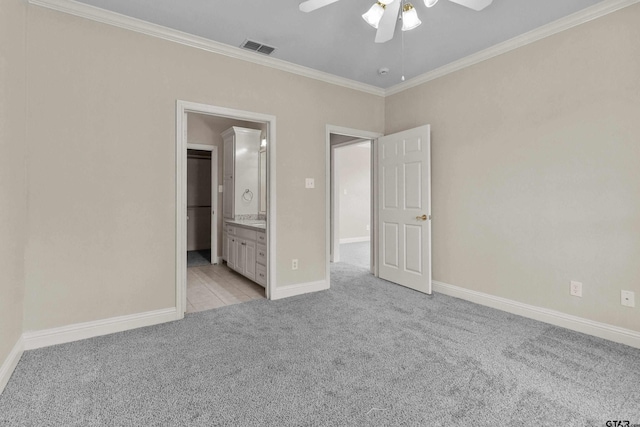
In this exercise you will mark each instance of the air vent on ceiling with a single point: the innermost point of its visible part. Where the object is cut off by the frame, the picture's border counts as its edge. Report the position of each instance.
(257, 47)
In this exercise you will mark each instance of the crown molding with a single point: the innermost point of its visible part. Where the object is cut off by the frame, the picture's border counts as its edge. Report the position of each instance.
(112, 18)
(596, 11)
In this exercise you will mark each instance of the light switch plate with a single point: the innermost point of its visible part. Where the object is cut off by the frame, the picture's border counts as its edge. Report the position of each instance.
(220, 188)
(309, 183)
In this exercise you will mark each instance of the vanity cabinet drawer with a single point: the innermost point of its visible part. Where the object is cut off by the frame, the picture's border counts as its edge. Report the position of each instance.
(245, 233)
(231, 230)
(261, 275)
(262, 237)
(261, 254)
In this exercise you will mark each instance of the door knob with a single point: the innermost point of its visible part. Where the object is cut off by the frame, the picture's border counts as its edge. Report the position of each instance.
(422, 218)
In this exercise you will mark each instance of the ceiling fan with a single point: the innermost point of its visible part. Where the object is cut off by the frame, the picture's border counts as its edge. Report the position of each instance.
(384, 13)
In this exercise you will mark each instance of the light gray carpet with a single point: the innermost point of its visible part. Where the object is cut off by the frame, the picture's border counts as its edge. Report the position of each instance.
(357, 254)
(367, 352)
(198, 258)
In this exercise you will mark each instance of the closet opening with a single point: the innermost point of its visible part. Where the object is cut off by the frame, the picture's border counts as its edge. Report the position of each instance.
(200, 213)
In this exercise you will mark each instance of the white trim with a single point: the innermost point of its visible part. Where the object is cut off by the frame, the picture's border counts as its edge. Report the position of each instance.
(271, 208)
(299, 289)
(182, 108)
(593, 12)
(355, 239)
(128, 23)
(375, 196)
(214, 205)
(111, 18)
(181, 210)
(201, 147)
(335, 209)
(96, 328)
(10, 363)
(575, 323)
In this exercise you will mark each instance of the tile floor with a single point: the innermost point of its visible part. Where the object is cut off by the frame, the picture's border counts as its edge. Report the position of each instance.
(214, 286)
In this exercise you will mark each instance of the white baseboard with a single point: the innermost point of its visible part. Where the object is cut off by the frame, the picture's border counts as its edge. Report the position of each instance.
(355, 239)
(299, 289)
(79, 331)
(575, 323)
(10, 363)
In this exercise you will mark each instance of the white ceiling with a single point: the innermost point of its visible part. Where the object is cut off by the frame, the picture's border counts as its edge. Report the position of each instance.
(336, 40)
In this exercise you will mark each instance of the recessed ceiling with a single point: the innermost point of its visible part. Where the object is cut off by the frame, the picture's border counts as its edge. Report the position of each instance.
(336, 40)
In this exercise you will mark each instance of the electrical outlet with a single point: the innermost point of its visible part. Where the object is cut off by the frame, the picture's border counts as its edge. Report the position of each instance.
(309, 183)
(628, 298)
(576, 289)
(294, 264)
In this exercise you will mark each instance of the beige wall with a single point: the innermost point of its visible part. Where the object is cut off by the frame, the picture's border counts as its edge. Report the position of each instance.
(353, 175)
(535, 154)
(102, 222)
(13, 208)
(536, 170)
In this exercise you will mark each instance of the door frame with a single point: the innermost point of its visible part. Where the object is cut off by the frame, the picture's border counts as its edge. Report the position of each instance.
(182, 108)
(329, 194)
(215, 259)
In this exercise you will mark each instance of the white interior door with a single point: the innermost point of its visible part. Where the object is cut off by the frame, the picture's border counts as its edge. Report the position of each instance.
(404, 208)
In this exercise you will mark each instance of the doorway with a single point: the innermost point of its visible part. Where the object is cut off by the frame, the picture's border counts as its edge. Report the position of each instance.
(400, 204)
(202, 178)
(346, 139)
(351, 180)
(203, 279)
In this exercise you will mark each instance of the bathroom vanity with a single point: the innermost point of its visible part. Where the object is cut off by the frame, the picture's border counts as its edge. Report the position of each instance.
(244, 238)
(245, 249)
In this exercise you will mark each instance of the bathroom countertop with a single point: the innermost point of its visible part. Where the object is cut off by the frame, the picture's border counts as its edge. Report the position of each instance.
(250, 223)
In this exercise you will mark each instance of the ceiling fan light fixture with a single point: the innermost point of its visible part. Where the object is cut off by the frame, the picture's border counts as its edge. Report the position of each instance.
(374, 14)
(430, 3)
(410, 18)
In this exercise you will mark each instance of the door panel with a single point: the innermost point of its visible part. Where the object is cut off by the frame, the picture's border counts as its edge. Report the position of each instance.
(413, 185)
(232, 249)
(390, 244)
(405, 209)
(390, 186)
(241, 255)
(413, 248)
(250, 262)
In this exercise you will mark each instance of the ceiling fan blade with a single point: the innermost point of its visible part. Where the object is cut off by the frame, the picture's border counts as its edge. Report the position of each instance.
(473, 4)
(311, 5)
(388, 23)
